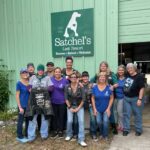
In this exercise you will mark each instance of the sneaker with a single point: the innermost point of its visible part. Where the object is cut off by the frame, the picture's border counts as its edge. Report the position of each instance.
(22, 140)
(54, 135)
(94, 137)
(125, 133)
(68, 138)
(60, 135)
(138, 133)
(83, 144)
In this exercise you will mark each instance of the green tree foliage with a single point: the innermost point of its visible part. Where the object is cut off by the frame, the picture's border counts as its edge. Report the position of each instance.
(4, 88)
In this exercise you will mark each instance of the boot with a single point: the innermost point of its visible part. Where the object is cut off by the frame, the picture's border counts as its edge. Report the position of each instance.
(114, 128)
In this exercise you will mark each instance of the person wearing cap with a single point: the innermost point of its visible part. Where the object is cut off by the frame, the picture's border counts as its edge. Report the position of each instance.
(22, 96)
(50, 69)
(88, 104)
(40, 80)
(31, 69)
(50, 72)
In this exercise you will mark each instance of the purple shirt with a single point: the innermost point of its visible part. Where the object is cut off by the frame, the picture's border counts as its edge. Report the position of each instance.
(57, 96)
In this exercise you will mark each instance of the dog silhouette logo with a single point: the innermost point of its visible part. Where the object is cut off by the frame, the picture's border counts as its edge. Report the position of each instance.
(72, 24)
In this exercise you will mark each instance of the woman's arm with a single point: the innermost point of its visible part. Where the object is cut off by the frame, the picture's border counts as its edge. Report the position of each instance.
(110, 104)
(93, 105)
(69, 106)
(141, 94)
(18, 102)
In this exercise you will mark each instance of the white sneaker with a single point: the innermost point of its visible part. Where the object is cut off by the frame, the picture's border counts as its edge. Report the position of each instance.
(82, 143)
(68, 138)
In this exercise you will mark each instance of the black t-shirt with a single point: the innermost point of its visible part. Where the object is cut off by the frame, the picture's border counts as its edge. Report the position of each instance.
(133, 84)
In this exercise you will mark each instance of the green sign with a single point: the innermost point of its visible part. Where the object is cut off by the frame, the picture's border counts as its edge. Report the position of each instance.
(73, 33)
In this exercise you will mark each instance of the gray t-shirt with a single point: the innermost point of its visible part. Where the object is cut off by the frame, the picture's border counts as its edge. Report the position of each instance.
(44, 82)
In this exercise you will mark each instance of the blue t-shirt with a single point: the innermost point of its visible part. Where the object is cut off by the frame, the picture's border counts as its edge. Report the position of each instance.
(119, 90)
(101, 98)
(24, 94)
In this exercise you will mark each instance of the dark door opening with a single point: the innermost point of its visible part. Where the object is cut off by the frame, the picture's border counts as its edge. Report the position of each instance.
(137, 53)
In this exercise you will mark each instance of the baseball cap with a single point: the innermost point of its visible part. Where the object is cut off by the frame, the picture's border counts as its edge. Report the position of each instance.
(30, 64)
(50, 63)
(85, 74)
(40, 67)
(23, 70)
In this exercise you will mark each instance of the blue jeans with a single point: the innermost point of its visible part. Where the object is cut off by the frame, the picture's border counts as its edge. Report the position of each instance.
(113, 115)
(80, 115)
(120, 112)
(130, 104)
(103, 123)
(20, 125)
(32, 128)
(93, 126)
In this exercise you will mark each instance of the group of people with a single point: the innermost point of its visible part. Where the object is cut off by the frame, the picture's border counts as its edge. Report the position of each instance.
(56, 100)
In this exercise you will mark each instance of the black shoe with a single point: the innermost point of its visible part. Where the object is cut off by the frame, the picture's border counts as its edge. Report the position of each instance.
(114, 128)
(54, 135)
(125, 133)
(138, 134)
(74, 138)
(114, 131)
(60, 135)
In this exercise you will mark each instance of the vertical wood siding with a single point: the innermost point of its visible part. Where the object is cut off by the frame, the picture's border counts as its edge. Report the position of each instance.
(134, 21)
(25, 33)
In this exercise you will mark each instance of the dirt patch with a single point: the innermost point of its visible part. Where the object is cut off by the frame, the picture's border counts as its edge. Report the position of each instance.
(8, 142)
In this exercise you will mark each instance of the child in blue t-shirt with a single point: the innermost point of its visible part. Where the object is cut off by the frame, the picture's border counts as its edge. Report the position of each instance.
(102, 99)
(22, 96)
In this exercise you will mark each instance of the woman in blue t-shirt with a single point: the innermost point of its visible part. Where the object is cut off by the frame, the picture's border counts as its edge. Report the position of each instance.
(22, 96)
(102, 99)
(120, 95)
